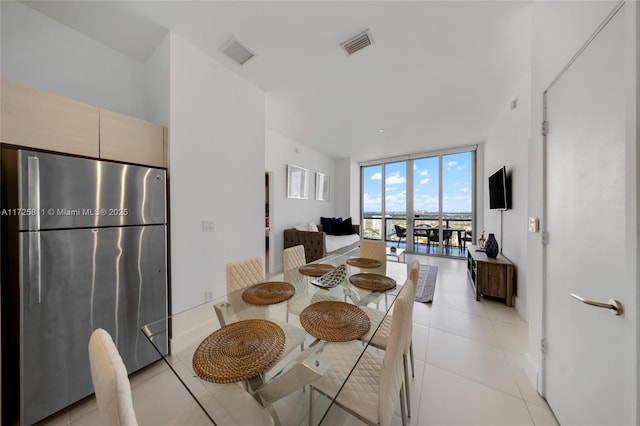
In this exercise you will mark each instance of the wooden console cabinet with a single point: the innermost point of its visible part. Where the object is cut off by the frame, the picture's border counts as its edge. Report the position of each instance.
(490, 277)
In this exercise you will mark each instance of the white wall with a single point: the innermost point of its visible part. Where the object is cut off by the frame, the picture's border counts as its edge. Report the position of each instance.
(632, 361)
(156, 84)
(348, 189)
(558, 31)
(216, 160)
(506, 145)
(40, 52)
(287, 212)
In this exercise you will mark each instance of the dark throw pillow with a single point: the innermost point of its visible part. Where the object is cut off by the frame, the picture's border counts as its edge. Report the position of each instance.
(344, 227)
(327, 225)
(336, 226)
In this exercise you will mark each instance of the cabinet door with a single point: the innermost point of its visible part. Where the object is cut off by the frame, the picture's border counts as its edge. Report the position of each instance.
(131, 140)
(494, 280)
(38, 119)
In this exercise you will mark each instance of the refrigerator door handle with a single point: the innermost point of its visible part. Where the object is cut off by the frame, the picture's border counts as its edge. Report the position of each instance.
(35, 275)
(33, 171)
(35, 270)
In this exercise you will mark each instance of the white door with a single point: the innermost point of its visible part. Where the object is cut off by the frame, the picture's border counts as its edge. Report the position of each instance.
(584, 367)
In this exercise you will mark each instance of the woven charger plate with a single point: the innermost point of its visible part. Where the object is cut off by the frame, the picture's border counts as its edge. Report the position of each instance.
(316, 269)
(268, 293)
(364, 262)
(372, 282)
(335, 321)
(239, 351)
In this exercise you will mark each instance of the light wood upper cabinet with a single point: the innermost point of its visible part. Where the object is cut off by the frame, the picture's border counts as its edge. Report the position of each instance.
(38, 119)
(131, 140)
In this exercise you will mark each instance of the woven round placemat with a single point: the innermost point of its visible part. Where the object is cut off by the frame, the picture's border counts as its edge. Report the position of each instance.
(372, 282)
(268, 293)
(364, 262)
(239, 351)
(316, 269)
(335, 321)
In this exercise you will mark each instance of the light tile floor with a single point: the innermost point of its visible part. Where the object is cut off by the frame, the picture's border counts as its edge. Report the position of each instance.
(468, 359)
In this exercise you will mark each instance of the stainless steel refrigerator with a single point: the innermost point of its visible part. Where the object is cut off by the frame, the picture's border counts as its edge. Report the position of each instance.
(83, 246)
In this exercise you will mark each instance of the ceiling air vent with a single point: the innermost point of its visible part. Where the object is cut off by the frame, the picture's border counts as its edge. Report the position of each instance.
(358, 42)
(236, 51)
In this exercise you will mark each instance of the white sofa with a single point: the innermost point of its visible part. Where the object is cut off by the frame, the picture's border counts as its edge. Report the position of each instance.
(317, 244)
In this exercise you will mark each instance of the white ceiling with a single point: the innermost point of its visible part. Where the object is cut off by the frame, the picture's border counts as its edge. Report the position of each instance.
(438, 75)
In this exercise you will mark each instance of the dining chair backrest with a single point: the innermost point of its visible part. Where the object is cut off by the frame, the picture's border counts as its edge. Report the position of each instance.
(110, 381)
(391, 375)
(243, 273)
(293, 257)
(414, 274)
(375, 249)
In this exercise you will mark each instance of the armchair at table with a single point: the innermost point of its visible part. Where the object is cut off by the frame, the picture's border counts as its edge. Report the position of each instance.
(421, 232)
(401, 232)
(433, 236)
(467, 237)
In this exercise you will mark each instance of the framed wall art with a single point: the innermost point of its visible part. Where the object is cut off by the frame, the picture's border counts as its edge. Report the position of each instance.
(297, 182)
(323, 186)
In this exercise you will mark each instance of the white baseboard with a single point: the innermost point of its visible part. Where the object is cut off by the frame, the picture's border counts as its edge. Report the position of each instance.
(521, 308)
(533, 373)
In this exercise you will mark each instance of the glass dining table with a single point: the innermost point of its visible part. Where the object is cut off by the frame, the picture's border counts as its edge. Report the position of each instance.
(344, 307)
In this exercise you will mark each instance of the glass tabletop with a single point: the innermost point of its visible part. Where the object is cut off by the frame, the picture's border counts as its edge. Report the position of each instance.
(313, 318)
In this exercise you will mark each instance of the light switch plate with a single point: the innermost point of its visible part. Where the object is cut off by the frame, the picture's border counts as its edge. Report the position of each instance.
(534, 224)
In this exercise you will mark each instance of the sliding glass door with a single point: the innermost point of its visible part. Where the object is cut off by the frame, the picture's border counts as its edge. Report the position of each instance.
(383, 216)
(457, 201)
(422, 204)
(426, 204)
(372, 186)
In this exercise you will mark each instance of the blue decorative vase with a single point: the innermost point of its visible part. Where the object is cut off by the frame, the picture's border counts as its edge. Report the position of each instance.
(491, 248)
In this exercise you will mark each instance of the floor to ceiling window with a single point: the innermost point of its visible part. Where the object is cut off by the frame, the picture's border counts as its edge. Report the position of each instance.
(423, 204)
(395, 198)
(426, 204)
(371, 184)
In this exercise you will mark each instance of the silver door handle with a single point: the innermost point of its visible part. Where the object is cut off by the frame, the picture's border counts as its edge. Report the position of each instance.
(33, 199)
(35, 271)
(613, 304)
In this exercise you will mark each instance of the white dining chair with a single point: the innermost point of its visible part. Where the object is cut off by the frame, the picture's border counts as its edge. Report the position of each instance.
(243, 273)
(414, 274)
(371, 391)
(293, 257)
(380, 339)
(115, 402)
(375, 249)
(110, 381)
(247, 272)
(371, 249)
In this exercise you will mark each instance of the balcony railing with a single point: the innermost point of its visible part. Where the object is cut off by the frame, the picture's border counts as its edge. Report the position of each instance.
(372, 229)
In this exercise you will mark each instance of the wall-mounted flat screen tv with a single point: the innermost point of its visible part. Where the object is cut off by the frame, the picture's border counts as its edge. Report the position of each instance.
(499, 190)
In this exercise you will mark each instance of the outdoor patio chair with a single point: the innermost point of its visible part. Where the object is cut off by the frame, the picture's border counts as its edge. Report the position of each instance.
(401, 232)
(467, 237)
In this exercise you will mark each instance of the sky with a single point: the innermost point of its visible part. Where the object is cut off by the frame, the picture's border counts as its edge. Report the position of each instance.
(456, 185)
